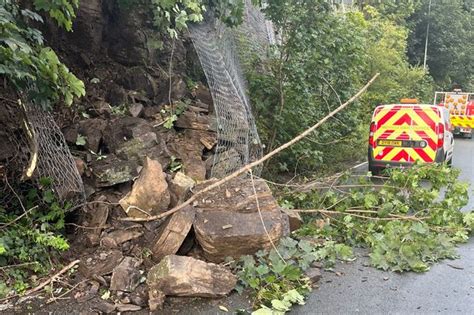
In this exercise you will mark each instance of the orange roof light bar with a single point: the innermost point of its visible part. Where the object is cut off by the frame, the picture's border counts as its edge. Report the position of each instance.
(408, 101)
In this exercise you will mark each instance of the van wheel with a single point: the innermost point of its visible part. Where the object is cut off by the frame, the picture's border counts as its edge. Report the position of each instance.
(450, 162)
(374, 170)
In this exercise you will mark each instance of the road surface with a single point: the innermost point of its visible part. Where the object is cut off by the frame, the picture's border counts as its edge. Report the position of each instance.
(448, 288)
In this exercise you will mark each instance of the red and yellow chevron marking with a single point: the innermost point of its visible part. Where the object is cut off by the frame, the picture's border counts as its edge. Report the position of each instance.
(462, 121)
(406, 123)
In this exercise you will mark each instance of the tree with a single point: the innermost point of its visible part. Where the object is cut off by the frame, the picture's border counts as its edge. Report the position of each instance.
(450, 41)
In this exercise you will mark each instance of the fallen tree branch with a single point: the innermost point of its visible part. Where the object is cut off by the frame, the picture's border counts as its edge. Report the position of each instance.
(248, 167)
(51, 279)
(355, 213)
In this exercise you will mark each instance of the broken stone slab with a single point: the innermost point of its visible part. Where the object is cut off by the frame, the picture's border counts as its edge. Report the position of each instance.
(144, 145)
(126, 276)
(100, 263)
(201, 93)
(117, 237)
(123, 129)
(112, 171)
(180, 186)
(136, 109)
(294, 218)
(188, 148)
(186, 276)
(172, 233)
(149, 194)
(223, 233)
(194, 120)
(92, 130)
(95, 218)
(127, 307)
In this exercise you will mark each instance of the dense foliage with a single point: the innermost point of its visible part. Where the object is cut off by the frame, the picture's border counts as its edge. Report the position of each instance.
(30, 235)
(323, 57)
(450, 41)
(26, 62)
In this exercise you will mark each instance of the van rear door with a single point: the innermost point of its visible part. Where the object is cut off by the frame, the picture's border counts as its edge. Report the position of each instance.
(406, 133)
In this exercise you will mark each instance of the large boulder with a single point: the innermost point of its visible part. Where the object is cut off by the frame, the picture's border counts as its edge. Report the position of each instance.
(149, 194)
(186, 276)
(229, 219)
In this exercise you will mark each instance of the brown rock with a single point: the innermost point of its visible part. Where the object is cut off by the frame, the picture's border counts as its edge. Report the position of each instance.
(188, 148)
(104, 307)
(136, 109)
(237, 195)
(314, 274)
(92, 130)
(118, 237)
(100, 263)
(149, 194)
(112, 171)
(156, 299)
(172, 233)
(295, 219)
(180, 186)
(228, 222)
(123, 129)
(80, 165)
(227, 233)
(193, 120)
(127, 307)
(186, 276)
(126, 276)
(201, 93)
(96, 215)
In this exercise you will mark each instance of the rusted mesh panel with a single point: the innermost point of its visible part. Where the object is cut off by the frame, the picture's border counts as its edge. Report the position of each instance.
(219, 50)
(54, 159)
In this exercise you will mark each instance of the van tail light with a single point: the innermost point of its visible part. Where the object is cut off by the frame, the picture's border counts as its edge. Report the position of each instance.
(440, 135)
(371, 134)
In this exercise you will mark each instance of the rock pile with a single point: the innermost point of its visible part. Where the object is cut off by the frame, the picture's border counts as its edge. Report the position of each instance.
(134, 167)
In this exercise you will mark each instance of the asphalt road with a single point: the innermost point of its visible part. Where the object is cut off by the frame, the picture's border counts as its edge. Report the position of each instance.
(448, 288)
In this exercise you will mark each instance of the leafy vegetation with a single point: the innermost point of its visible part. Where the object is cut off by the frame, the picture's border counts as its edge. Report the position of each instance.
(408, 222)
(277, 278)
(27, 63)
(30, 236)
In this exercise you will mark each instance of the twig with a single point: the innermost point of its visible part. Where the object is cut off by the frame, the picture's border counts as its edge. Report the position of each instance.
(16, 195)
(18, 265)
(170, 75)
(353, 212)
(53, 299)
(255, 163)
(4, 225)
(261, 217)
(51, 279)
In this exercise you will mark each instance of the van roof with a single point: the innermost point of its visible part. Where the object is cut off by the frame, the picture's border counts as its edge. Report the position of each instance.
(407, 105)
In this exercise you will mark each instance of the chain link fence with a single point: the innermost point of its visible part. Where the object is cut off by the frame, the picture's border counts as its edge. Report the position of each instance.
(220, 50)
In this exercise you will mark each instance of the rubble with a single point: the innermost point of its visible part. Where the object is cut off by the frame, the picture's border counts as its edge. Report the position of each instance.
(186, 276)
(149, 194)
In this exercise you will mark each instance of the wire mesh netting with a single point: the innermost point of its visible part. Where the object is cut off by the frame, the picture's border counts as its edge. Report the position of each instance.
(53, 158)
(218, 50)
